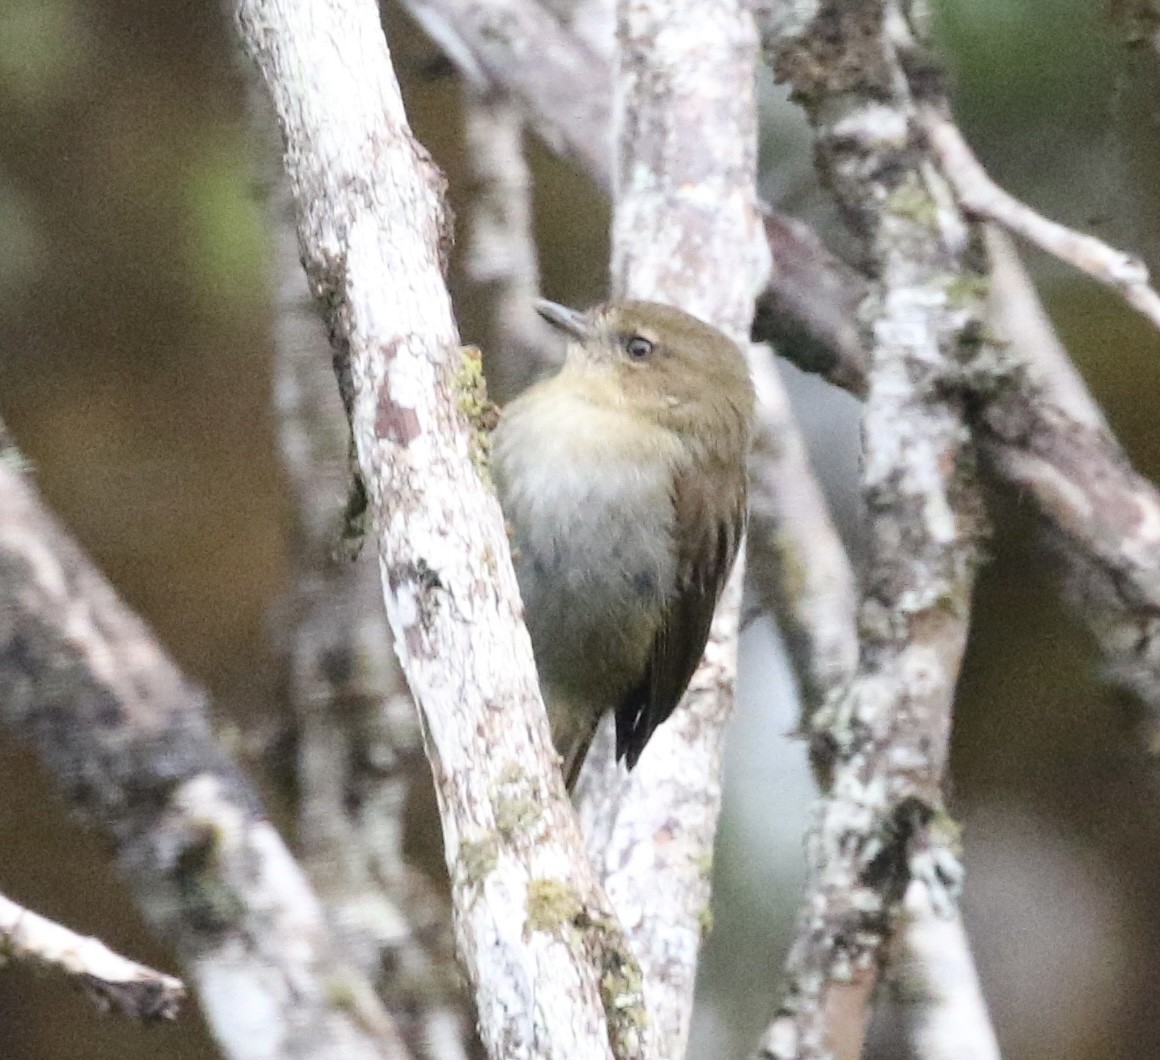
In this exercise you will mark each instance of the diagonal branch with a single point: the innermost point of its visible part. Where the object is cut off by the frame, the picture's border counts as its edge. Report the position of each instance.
(358, 747)
(981, 197)
(1042, 431)
(797, 563)
(560, 84)
(552, 974)
(112, 981)
(809, 310)
(933, 978)
(128, 737)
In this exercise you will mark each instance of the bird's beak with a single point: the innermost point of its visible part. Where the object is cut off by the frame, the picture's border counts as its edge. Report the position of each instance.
(560, 316)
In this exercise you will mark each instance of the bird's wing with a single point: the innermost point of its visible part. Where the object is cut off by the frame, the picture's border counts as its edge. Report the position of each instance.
(710, 509)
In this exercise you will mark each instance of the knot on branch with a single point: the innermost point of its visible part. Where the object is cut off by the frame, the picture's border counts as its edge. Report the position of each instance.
(839, 53)
(888, 870)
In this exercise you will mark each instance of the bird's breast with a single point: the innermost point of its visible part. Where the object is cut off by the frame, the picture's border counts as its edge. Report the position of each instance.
(581, 478)
(587, 489)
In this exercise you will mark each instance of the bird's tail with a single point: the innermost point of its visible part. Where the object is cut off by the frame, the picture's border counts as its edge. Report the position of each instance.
(572, 733)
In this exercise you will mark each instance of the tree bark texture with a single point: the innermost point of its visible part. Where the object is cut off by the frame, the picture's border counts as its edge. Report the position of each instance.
(550, 968)
(83, 681)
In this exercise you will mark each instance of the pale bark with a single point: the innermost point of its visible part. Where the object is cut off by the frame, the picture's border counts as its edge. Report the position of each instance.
(686, 231)
(561, 86)
(549, 965)
(84, 682)
(983, 198)
(935, 985)
(359, 750)
(114, 983)
(1042, 432)
(881, 828)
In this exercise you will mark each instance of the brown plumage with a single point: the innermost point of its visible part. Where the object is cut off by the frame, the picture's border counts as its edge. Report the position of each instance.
(623, 478)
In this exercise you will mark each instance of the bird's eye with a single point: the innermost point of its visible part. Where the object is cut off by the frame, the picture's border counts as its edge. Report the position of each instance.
(638, 347)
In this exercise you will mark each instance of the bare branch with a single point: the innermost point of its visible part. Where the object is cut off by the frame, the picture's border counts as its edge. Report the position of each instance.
(1043, 432)
(879, 829)
(360, 752)
(934, 980)
(501, 246)
(127, 736)
(983, 198)
(686, 231)
(809, 309)
(560, 85)
(797, 563)
(552, 974)
(112, 981)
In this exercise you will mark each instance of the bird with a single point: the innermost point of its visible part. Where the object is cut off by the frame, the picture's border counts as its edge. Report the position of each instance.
(622, 480)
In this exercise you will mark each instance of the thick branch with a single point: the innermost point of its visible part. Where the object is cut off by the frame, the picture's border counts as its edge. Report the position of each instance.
(113, 982)
(360, 753)
(552, 974)
(127, 736)
(686, 231)
(884, 744)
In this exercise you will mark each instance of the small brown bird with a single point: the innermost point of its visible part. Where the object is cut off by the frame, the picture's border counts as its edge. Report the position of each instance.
(623, 479)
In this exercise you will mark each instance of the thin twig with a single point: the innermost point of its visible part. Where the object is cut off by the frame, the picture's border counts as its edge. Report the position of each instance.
(114, 983)
(983, 198)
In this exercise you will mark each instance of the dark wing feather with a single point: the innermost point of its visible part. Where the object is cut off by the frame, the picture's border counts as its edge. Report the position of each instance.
(710, 510)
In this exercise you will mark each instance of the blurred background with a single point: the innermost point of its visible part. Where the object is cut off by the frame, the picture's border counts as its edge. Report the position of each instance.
(135, 357)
